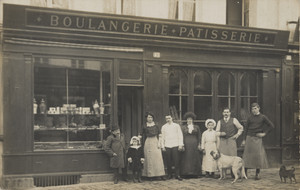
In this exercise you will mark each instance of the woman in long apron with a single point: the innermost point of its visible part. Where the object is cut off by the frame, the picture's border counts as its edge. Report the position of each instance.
(153, 165)
(210, 142)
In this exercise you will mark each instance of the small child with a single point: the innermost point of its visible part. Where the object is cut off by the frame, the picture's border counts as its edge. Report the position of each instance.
(210, 142)
(115, 148)
(135, 157)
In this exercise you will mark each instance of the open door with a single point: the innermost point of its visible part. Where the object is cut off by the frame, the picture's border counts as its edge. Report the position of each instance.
(130, 110)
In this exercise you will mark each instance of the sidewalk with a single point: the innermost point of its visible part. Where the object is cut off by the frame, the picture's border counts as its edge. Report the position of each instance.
(269, 180)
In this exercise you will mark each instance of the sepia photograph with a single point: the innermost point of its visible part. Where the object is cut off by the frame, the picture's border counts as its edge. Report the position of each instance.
(149, 94)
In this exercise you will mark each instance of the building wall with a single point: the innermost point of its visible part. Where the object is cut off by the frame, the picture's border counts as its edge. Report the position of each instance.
(273, 14)
(211, 11)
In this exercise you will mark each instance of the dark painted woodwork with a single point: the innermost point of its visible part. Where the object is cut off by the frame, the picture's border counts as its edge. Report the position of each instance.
(56, 162)
(288, 135)
(155, 99)
(17, 100)
(71, 50)
(269, 106)
(213, 59)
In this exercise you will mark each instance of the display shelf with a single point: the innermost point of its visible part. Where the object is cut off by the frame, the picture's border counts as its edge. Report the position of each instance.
(66, 129)
(69, 145)
(62, 114)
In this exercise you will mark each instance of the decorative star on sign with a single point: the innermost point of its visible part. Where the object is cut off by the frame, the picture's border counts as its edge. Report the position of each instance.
(39, 19)
(266, 38)
(173, 31)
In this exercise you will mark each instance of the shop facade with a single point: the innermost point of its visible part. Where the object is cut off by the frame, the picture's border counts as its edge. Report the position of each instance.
(69, 76)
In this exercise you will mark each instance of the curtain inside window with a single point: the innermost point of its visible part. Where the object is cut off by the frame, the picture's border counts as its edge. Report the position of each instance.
(40, 3)
(109, 6)
(129, 7)
(172, 9)
(188, 9)
(64, 4)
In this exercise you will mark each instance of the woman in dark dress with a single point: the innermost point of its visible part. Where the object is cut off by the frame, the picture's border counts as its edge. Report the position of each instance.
(153, 165)
(191, 161)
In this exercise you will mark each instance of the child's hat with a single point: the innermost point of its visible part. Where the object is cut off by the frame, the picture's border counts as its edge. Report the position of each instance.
(135, 138)
(210, 121)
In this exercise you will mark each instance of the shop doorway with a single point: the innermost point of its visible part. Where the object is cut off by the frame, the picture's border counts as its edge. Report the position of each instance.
(130, 110)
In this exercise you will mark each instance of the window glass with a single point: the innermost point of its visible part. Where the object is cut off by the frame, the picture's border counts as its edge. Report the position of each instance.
(71, 103)
(226, 92)
(226, 102)
(249, 93)
(202, 83)
(234, 12)
(203, 107)
(202, 95)
(178, 82)
(249, 85)
(226, 85)
(130, 70)
(178, 89)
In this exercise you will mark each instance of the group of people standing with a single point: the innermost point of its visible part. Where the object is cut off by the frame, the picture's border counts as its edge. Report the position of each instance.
(185, 150)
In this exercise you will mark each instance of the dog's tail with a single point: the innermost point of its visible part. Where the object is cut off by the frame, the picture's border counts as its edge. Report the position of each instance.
(293, 169)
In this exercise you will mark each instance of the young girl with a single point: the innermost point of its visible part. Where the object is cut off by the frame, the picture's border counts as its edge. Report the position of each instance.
(135, 157)
(209, 142)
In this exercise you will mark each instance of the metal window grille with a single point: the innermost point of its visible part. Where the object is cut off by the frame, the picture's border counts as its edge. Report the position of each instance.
(44, 181)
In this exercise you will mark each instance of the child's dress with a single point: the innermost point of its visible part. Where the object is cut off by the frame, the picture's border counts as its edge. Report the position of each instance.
(135, 153)
(209, 143)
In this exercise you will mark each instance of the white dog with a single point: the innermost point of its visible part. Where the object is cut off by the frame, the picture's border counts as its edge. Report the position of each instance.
(229, 162)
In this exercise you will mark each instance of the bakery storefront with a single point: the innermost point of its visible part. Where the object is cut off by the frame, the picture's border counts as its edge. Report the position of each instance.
(69, 76)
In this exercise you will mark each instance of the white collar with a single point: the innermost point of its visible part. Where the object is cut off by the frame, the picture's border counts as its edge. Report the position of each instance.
(150, 124)
(136, 147)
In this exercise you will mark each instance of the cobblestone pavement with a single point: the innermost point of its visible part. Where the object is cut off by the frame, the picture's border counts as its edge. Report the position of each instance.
(269, 180)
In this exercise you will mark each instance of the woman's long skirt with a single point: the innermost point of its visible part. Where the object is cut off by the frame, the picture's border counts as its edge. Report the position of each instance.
(254, 154)
(191, 158)
(153, 165)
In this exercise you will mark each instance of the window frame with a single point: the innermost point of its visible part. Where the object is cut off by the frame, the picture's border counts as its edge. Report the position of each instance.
(214, 74)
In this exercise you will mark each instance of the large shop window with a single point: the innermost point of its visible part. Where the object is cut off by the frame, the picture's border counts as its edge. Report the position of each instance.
(72, 103)
(207, 92)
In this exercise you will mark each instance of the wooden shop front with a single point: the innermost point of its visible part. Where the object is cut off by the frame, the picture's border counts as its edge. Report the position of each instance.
(69, 76)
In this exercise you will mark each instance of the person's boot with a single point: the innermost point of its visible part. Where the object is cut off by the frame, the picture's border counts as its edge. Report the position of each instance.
(207, 174)
(257, 174)
(125, 177)
(139, 177)
(133, 177)
(116, 179)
